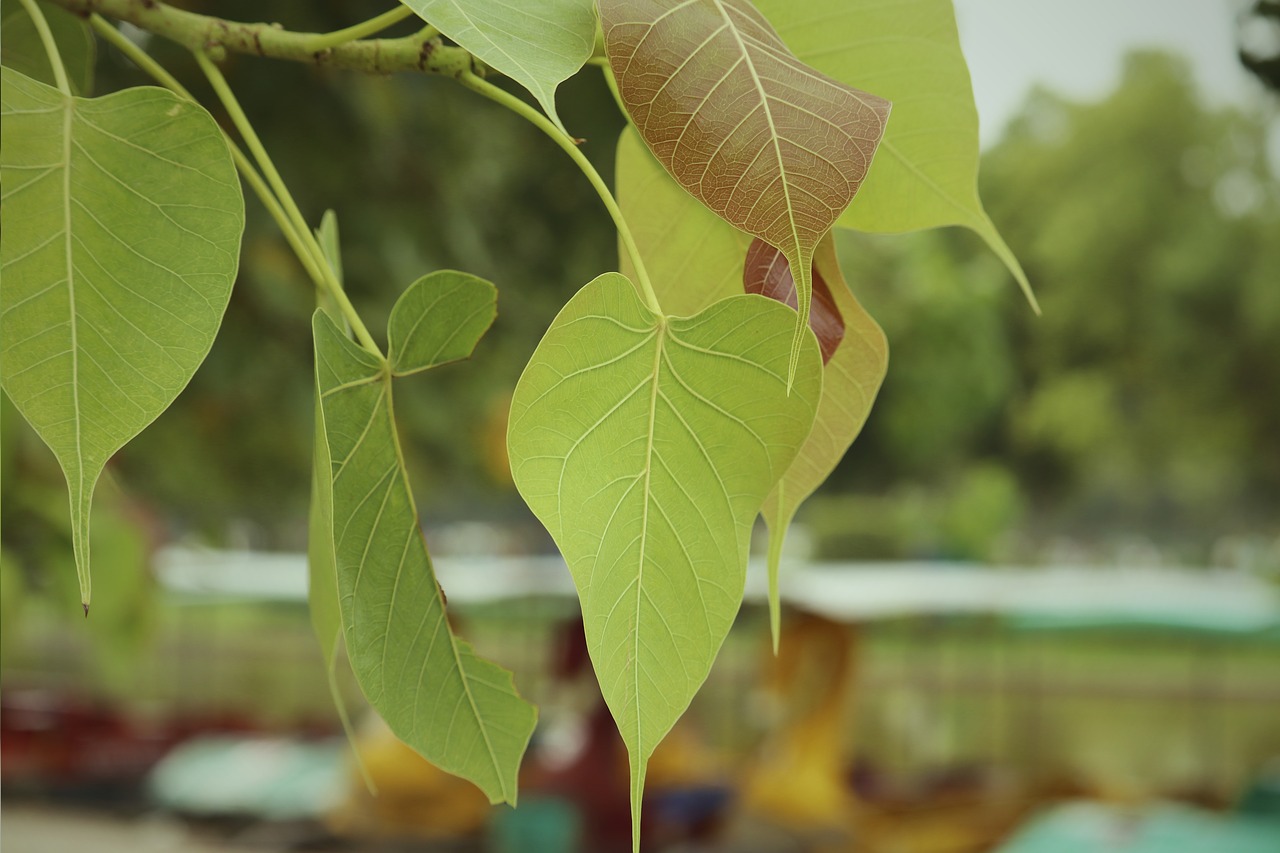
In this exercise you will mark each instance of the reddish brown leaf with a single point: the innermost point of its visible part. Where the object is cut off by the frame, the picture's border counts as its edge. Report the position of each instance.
(767, 272)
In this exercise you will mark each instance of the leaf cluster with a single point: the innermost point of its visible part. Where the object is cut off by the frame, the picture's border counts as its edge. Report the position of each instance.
(720, 375)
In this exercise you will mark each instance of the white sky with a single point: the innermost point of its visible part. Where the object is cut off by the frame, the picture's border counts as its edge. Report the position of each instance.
(1076, 47)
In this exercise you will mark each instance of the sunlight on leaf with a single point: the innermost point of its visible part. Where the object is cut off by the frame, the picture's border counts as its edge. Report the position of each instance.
(768, 143)
(926, 174)
(459, 711)
(121, 239)
(539, 43)
(851, 379)
(647, 445)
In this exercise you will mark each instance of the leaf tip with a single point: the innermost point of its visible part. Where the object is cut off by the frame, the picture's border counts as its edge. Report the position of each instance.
(85, 605)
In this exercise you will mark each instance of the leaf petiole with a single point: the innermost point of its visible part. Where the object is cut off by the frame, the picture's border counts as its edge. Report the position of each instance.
(143, 60)
(277, 183)
(511, 102)
(50, 46)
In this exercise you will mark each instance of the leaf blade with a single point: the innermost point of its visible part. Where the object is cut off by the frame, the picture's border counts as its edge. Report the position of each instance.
(538, 44)
(851, 379)
(438, 319)
(22, 50)
(768, 143)
(646, 446)
(927, 174)
(471, 722)
(105, 321)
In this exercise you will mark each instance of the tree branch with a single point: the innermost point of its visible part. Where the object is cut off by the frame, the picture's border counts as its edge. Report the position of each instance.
(203, 32)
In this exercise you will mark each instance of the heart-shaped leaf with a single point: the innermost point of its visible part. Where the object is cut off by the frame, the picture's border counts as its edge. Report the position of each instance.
(768, 143)
(926, 174)
(121, 239)
(459, 711)
(646, 445)
(538, 43)
(850, 382)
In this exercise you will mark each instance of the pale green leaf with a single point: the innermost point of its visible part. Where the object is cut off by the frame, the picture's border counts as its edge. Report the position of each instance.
(22, 50)
(646, 445)
(459, 711)
(764, 140)
(539, 43)
(693, 257)
(122, 224)
(850, 382)
(438, 319)
(926, 174)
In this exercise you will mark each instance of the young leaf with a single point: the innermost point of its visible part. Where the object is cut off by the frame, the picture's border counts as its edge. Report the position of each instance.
(438, 319)
(850, 381)
(539, 43)
(122, 224)
(927, 172)
(22, 50)
(765, 271)
(646, 445)
(765, 141)
(459, 711)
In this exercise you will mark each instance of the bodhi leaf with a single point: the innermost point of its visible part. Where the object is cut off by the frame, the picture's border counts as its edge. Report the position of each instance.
(459, 711)
(850, 381)
(322, 570)
(22, 50)
(926, 174)
(122, 224)
(438, 319)
(693, 256)
(646, 446)
(539, 43)
(768, 143)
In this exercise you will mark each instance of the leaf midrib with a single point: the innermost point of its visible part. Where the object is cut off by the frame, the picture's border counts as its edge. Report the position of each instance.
(644, 519)
(463, 676)
(68, 114)
(768, 115)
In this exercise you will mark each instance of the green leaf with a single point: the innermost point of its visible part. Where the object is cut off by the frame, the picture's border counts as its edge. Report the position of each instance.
(322, 589)
(850, 381)
(122, 224)
(926, 174)
(762, 139)
(693, 257)
(22, 50)
(459, 711)
(438, 319)
(539, 44)
(322, 568)
(646, 445)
